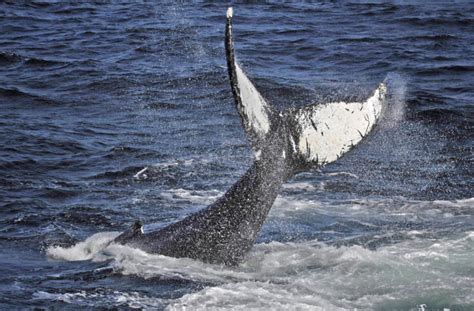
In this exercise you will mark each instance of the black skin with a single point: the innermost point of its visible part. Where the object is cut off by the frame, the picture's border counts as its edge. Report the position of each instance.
(225, 231)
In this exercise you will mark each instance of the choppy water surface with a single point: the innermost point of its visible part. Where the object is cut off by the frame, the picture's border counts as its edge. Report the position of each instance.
(93, 94)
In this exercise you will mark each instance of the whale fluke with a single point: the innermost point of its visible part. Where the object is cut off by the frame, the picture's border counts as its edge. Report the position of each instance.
(285, 143)
(320, 133)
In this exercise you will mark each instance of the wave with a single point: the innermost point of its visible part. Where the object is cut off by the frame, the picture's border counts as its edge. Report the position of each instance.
(102, 298)
(13, 92)
(435, 21)
(308, 274)
(445, 69)
(86, 250)
(70, 10)
(362, 39)
(26, 164)
(39, 62)
(431, 37)
(157, 170)
(113, 175)
(384, 207)
(17, 93)
(301, 200)
(345, 278)
(7, 57)
(203, 197)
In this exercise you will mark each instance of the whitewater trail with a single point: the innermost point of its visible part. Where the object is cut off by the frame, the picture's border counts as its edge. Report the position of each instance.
(334, 277)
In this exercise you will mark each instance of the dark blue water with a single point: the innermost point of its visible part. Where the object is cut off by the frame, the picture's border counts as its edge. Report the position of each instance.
(91, 94)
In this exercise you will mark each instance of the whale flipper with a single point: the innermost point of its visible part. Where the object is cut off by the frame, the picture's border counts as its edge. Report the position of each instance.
(287, 143)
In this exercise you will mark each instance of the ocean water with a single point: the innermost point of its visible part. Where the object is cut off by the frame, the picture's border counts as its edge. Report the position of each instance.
(113, 112)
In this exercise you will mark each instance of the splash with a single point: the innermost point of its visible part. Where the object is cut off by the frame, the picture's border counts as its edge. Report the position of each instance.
(407, 275)
(102, 298)
(395, 113)
(308, 275)
(89, 249)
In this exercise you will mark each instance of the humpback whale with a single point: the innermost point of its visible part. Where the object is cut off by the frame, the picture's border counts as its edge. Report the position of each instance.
(284, 143)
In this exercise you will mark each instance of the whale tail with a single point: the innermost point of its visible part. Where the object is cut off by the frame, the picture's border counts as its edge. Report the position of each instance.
(285, 143)
(316, 134)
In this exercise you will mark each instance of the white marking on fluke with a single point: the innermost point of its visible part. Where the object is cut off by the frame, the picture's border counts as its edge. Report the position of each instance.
(330, 130)
(230, 12)
(255, 108)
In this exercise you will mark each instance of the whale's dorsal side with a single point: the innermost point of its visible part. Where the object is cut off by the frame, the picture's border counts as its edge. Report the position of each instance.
(286, 143)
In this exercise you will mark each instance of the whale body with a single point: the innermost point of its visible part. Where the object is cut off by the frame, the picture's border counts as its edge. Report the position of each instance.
(284, 143)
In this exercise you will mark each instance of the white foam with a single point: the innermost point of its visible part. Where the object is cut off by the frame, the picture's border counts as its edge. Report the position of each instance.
(253, 296)
(299, 186)
(86, 250)
(343, 173)
(308, 275)
(203, 197)
(180, 162)
(311, 275)
(103, 298)
(286, 205)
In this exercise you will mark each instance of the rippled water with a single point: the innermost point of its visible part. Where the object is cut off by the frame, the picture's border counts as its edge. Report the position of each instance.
(93, 94)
